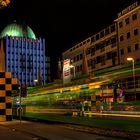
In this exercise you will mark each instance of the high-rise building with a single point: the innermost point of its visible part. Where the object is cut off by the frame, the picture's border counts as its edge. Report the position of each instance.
(25, 54)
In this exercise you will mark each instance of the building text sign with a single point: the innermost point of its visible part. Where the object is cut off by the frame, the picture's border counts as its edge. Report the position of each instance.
(129, 8)
(66, 71)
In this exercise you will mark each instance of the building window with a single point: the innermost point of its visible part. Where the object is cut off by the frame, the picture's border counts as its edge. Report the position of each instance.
(97, 37)
(120, 24)
(109, 55)
(106, 31)
(88, 51)
(112, 28)
(128, 35)
(78, 69)
(113, 40)
(102, 60)
(129, 49)
(84, 42)
(87, 41)
(121, 38)
(122, 51)
(127, 20)
(77, 57)
(74, 59)
(98, 59)
(135, 31)
(108, 42)
(136, 46)
(81, 56)
(92, 51)
(92, 39)
(101, 34)
(134, 17)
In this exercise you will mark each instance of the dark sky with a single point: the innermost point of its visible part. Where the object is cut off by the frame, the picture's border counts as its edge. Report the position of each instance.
(63, 23)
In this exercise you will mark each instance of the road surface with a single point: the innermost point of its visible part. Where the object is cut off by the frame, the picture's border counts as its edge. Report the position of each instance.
(42, 131)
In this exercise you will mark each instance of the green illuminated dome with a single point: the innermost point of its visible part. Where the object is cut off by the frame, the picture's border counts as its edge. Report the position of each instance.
(18, 30)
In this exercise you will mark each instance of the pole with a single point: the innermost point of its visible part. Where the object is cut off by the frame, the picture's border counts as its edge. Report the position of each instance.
(71, 66)
(134, 78)
(74, 72)
(20, 108)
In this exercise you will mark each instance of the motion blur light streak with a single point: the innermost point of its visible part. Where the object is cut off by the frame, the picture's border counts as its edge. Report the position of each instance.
(116, 114)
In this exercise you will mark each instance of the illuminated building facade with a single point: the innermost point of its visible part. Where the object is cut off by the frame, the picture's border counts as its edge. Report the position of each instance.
(111, 46)
(25, 54)
(128, 24)
(76, 53)
(100, 51)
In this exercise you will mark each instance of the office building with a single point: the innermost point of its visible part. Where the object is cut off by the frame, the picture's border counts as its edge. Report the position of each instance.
(25, 54)
(128, 24)
(110, 46)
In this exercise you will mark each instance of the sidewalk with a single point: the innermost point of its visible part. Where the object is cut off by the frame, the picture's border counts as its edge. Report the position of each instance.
(38, 130)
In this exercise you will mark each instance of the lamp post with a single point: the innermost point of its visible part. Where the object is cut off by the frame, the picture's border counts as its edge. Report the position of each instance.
(133, 62)
(19, 109)
(36, 81)
(71, 66)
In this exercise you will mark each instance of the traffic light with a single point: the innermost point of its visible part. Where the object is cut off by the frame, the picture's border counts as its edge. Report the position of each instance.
(15, 90)
(23, 90)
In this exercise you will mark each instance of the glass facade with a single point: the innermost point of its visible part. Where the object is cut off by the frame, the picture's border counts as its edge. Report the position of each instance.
(26, 59)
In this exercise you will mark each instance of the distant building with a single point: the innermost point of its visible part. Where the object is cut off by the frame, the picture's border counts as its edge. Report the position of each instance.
(110, 46)
(25, 54)
(100, 51)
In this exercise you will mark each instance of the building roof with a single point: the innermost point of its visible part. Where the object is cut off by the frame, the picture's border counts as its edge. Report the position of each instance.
(18, 30)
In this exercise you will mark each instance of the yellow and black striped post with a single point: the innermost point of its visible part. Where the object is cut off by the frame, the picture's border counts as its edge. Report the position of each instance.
(7, 84)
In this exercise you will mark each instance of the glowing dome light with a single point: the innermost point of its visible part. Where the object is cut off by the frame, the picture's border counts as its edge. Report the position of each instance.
(18, 30)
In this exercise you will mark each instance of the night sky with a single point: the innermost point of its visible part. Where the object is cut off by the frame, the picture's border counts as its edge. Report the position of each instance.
(63, 23)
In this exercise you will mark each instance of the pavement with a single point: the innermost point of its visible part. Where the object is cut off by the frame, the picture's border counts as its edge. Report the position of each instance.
(38, 130)
(26, 127)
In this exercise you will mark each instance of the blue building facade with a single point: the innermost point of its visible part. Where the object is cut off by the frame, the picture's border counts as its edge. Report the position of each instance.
(25, 57)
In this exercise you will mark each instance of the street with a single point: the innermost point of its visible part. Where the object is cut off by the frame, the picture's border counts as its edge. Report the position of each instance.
(9, 134)
(40, 131)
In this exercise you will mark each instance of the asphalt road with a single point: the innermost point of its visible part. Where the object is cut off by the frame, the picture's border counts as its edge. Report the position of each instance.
(40, 131)
(9, 134)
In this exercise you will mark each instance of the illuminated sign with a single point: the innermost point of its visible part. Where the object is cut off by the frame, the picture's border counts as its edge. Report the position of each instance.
(66, 71)
(128, 9)
(66, 68)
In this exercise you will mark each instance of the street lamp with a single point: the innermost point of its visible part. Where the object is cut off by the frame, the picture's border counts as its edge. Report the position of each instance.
(133, 62)
(35, 81)
(71, 66)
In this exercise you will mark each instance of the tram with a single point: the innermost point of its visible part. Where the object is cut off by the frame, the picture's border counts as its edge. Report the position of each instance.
(116, 85)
